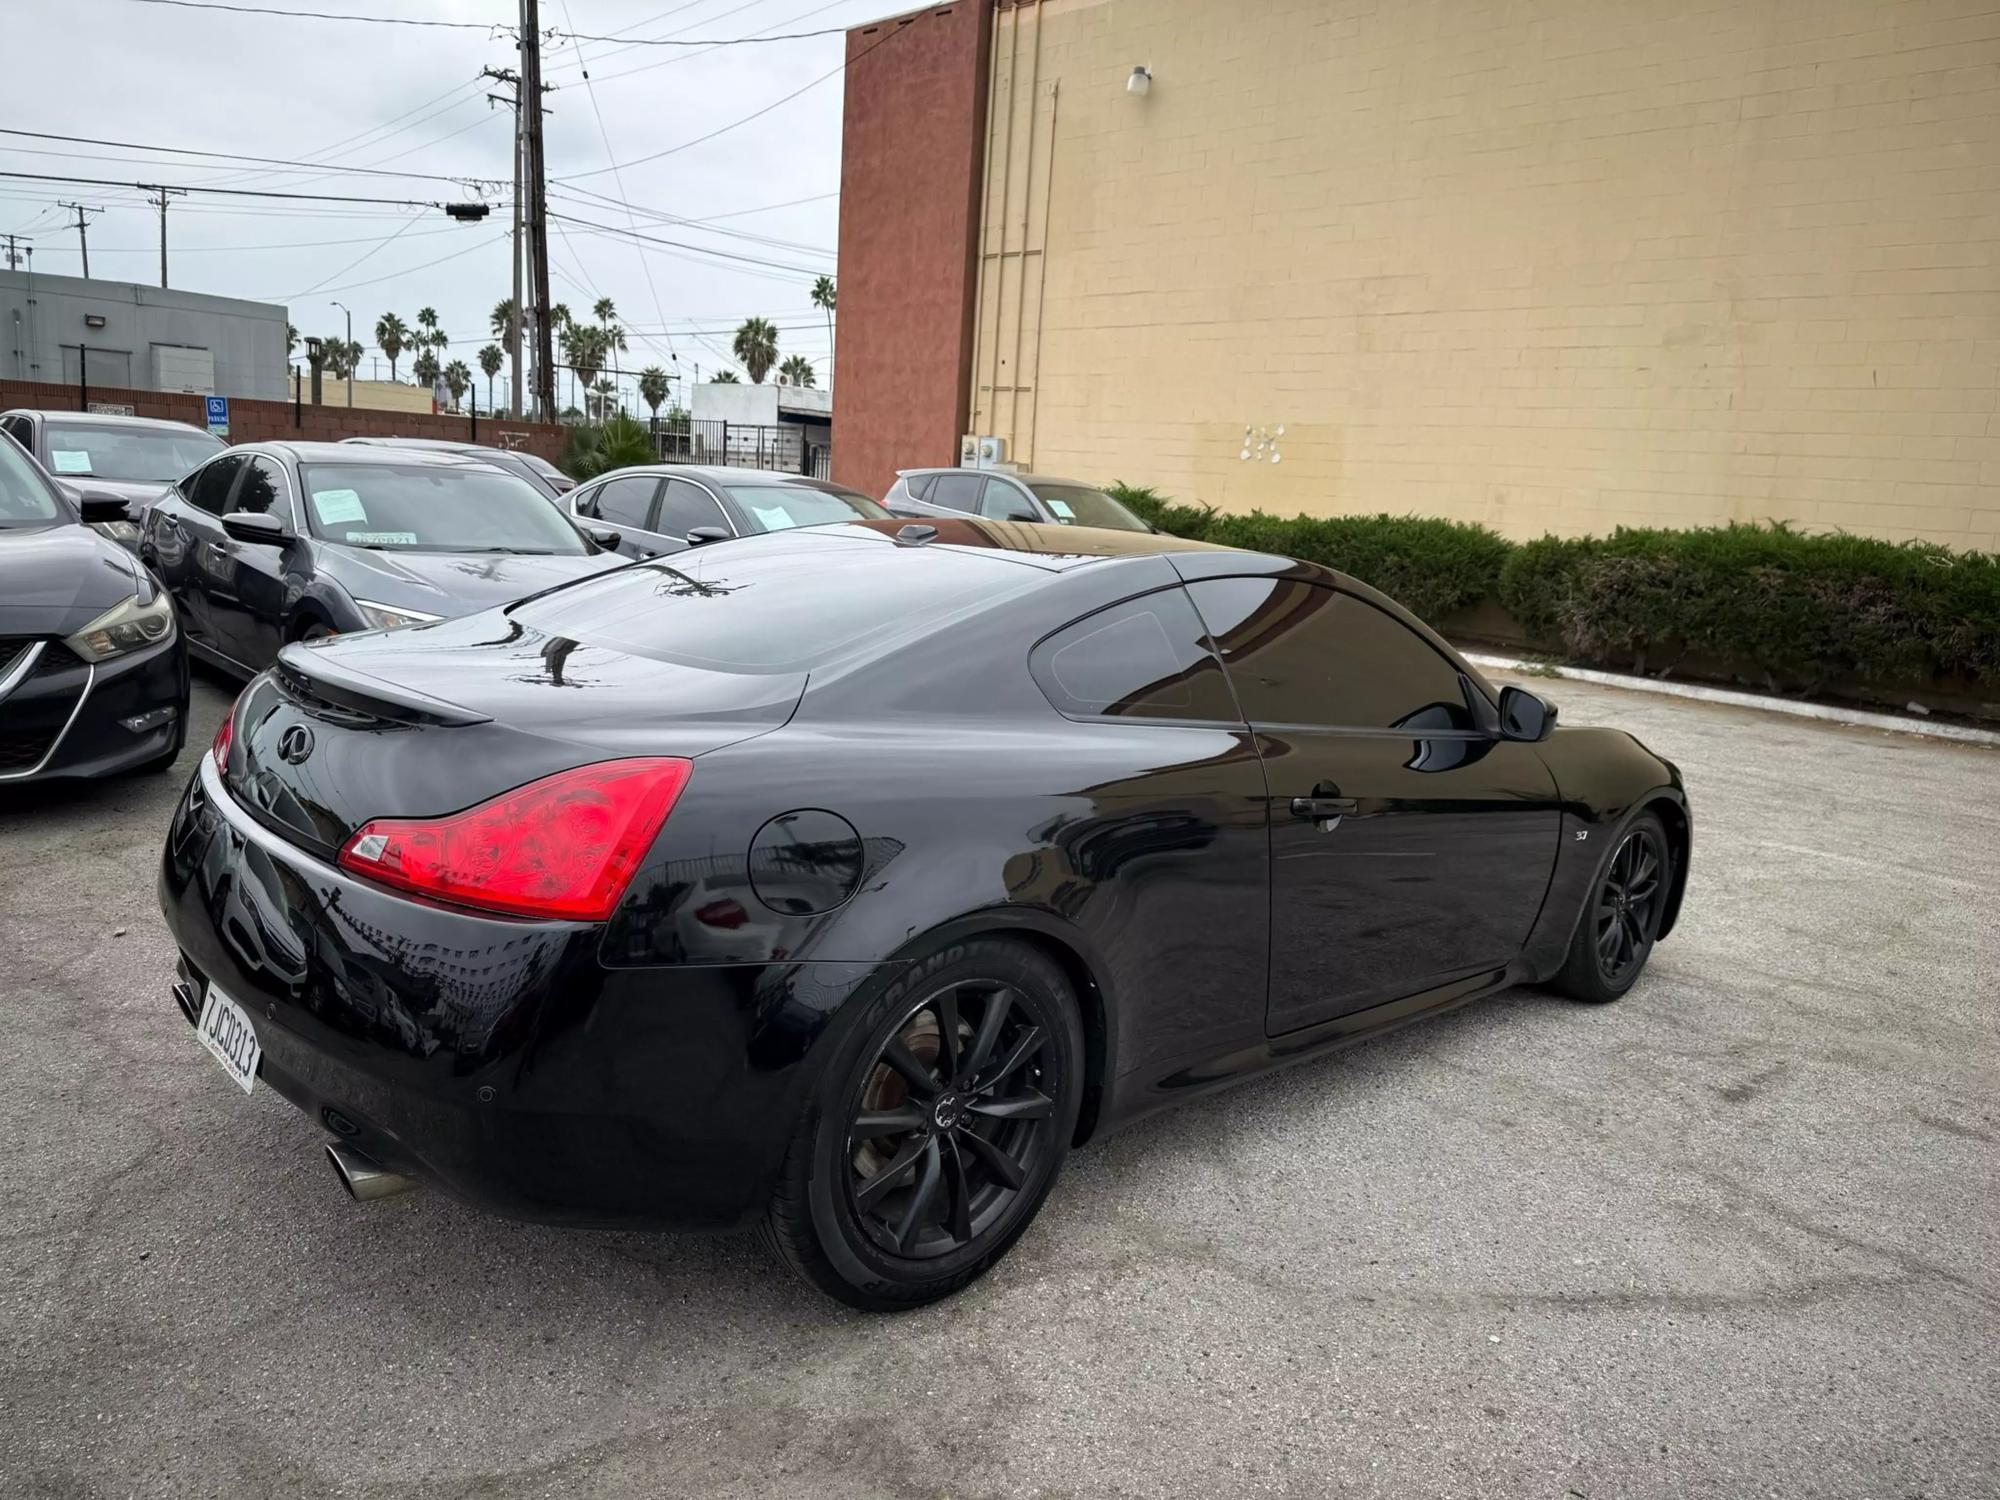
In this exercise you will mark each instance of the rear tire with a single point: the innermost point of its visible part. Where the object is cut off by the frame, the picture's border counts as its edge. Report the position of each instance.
(936, 1131)
(1621, 916)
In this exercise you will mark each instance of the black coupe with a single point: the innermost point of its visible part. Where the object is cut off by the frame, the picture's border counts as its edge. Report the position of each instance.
(842, 880)
(277, 542)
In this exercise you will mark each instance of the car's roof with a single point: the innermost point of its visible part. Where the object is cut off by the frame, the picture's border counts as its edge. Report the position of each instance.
(426, 445)
(1082, 484)
(100, 418)
(363, 453)
(722, 474)
(1056, 548)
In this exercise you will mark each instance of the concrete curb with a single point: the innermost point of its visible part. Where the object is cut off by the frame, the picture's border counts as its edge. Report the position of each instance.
(1964, 734)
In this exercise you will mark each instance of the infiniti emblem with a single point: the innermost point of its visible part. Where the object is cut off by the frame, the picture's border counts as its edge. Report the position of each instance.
(295, 744)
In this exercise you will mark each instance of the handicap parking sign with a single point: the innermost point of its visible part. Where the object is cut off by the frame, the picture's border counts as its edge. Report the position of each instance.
(218, 415)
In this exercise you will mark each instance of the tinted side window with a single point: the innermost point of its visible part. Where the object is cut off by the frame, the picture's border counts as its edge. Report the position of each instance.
(1003, 502)
(917, 485)
(1143, 659)
(1302, 654)
(686, 506)
(17, 429)
(957, 491)
(264, 489)
(212, 482)
(625, 502)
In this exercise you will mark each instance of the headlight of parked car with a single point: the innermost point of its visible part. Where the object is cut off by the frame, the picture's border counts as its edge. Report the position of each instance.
(118, 531)
(381, 617)
(129, 626)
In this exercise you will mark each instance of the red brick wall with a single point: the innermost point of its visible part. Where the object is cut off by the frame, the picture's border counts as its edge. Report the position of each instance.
(910, 165)
(261, 421)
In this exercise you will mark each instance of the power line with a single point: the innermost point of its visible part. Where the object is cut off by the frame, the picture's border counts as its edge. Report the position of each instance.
(604, 135)
(232, 156)
(746, 119)
(327, 15)
(748, 260)
(490, 27)
(393, 275)
(231, 192)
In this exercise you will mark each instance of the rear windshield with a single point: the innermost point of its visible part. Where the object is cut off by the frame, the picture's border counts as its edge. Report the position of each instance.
(1076, 505)
(434, 508)
(135, 454)
(769, 604)
(774, 507)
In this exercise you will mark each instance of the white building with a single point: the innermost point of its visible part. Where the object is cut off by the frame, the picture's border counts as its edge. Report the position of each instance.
(68, 330)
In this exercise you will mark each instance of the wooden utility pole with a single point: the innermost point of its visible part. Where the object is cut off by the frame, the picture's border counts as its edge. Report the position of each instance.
(160, 203)
(537, 221)
(82, 230)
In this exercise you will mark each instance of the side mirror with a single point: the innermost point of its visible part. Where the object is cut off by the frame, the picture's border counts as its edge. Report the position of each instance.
(98, 505)
(1021, 513)
(255, 526)
(704, 534)
(1525, 715)
(604, 536)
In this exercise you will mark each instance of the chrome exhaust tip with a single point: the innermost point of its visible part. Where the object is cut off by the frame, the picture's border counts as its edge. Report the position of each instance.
(365, 1178)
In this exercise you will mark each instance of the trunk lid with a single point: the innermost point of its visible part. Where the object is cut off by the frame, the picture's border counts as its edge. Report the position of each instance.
(427, 720)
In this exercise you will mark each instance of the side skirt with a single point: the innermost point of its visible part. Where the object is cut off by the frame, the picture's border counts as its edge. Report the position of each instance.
(1206, 1076)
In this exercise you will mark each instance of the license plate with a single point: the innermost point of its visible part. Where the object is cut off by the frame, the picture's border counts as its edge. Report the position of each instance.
(225, 1029)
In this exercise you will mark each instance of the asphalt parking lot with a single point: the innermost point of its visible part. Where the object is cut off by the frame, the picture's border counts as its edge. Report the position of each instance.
(1736, 1235)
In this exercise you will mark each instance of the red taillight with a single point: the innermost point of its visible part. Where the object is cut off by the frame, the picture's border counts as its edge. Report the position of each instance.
(564, 846)
(219, 746)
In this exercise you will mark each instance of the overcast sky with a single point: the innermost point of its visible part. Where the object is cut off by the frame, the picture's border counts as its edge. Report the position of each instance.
(410, 99)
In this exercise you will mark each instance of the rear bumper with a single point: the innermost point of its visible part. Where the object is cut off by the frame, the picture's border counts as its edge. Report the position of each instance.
(497, 1059)
(68, 719)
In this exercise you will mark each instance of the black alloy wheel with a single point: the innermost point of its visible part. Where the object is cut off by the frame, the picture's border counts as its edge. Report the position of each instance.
(1622, 918)
(1627, 912)
(938, 1129)
(950, 1120)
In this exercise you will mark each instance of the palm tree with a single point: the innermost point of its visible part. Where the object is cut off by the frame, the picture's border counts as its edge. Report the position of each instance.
(392, 334)
(425, 368)
(653, 388)
(604, 311)
(457, 380)
(429, 332)
(725, 377)
(291, 340)
(604, 398)
(490, 360)
(798, 370)
(502, 321)
(584, 347)
(823, 296)
(559, 317)
(756, 347)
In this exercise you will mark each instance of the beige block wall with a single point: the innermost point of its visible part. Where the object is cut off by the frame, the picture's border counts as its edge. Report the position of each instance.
(1551, 265)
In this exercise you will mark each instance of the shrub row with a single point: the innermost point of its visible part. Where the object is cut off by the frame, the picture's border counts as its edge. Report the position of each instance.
(1766, 604)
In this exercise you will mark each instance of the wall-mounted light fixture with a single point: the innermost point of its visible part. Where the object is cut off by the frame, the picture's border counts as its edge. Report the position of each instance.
(1141, 81)
(93, 320)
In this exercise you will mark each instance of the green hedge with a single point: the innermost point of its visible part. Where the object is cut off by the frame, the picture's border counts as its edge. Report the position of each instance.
(1766, 604)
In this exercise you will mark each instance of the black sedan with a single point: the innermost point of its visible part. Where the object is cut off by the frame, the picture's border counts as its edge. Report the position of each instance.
(93, 674)
(277, 542)
(842, 880)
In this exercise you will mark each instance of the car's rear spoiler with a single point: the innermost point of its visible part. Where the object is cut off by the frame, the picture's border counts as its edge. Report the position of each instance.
(314, 673)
